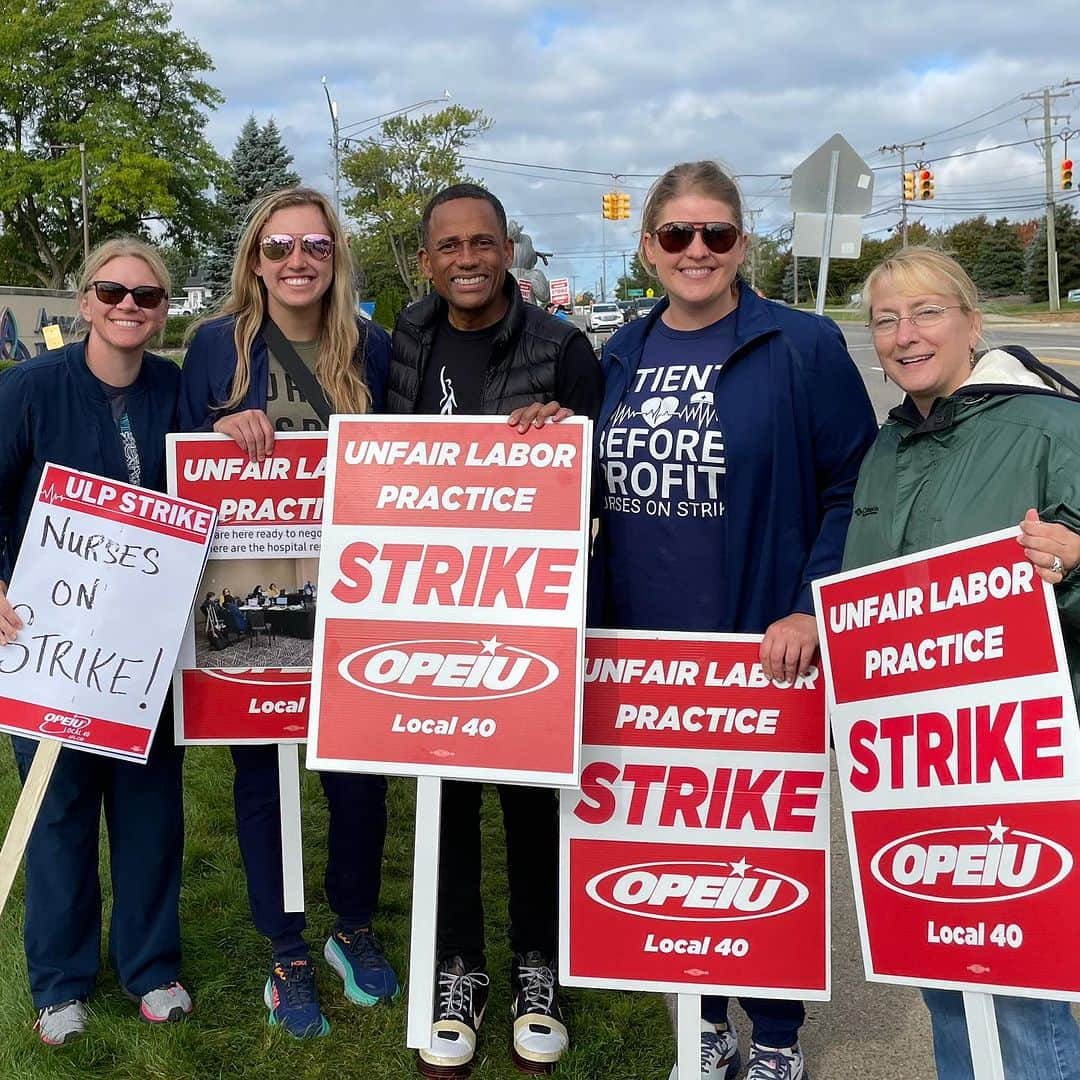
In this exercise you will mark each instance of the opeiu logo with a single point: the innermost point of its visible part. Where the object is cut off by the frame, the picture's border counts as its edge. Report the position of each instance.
(260, 676)
(432, 669)
(967, 864)
(64, 724)
(701, 891)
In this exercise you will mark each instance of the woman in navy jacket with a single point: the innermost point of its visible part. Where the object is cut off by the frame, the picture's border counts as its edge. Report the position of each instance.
(292, 266)
(102, 405)
(729, 441)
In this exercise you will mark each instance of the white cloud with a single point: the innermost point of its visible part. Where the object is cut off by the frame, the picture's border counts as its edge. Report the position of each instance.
(597, 86)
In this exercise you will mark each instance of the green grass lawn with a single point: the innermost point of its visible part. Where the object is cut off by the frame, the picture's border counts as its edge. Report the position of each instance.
(617, 1036)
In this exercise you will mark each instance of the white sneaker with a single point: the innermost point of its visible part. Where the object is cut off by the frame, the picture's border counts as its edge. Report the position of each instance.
(59, 1024)
(719, 1054)
(773, 1063)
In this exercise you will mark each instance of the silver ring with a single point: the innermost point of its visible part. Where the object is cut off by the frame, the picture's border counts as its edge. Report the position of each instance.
(1057, 566)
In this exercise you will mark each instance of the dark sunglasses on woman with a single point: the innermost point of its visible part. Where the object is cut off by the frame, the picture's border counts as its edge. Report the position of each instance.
(112, 292)
(717, 236)
(278, 246)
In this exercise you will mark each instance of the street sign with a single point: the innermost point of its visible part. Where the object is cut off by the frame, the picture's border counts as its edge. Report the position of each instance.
(837, 184)
(631, 293)
(854, 181)
(808, 240)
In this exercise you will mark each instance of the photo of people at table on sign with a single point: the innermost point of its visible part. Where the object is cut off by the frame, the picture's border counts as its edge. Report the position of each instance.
(256, 613)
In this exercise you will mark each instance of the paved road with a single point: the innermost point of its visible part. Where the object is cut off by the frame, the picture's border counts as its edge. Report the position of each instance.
(1055, 344)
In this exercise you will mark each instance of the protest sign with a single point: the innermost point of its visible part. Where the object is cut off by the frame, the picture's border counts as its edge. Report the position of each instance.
(695, 854)
(450, 626)
(244, 671)
(560, 291)
(103, 582)
(957, 746)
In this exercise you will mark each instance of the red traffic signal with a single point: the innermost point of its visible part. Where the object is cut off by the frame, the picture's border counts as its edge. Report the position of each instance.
(1067, 175)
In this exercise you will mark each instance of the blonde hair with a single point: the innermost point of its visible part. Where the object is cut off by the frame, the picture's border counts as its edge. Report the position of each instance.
(921, 269)
(704, 177)
(120, 247)
(343, 384)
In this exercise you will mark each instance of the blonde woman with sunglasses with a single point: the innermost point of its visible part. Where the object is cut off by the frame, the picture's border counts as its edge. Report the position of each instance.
(291, 290)
(102, 404)
(729, 441)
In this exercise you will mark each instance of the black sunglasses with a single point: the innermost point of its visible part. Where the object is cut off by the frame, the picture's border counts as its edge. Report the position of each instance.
(278, 246)
(676, 236)
(112, 292)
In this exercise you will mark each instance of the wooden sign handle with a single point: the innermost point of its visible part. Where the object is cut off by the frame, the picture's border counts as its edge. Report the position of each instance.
(26, 812)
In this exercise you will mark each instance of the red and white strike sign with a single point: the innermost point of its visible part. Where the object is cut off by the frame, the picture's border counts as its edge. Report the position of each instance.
(525, 285)
(695, 855)
(450, 628)
(268, 512)
(103, 584)
(560, 291)
(956, 739)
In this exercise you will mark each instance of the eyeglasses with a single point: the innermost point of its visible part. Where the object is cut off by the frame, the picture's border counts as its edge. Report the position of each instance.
(887, 325)
(112, 292)
(676, 236)
(278, 246)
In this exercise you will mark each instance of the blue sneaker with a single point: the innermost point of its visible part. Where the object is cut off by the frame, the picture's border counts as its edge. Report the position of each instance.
(293, 1001)
(359, 960)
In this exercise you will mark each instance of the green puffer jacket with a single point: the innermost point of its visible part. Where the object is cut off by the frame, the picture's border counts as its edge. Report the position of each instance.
(1003, 443)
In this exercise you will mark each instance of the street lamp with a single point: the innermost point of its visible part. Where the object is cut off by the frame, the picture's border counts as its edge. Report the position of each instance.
(374, 121)
(81, 147)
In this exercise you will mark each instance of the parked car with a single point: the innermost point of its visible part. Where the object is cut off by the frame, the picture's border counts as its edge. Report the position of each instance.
(604, 316)
(643, 305)
(179, 305)
(1073, 296)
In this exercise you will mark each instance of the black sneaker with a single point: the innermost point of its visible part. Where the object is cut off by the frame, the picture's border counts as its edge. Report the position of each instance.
(461, 995)
(540, 1036)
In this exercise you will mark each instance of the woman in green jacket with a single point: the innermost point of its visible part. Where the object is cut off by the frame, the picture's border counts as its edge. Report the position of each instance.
(981, 441)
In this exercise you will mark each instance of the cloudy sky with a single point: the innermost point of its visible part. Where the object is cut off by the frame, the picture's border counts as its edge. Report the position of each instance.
(581, 93)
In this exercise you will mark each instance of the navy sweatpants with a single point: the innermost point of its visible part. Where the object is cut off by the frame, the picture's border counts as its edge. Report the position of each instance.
(144, 815)
(357, 804)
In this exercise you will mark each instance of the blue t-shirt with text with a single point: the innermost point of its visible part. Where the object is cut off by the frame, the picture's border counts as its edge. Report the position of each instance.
(666, 470)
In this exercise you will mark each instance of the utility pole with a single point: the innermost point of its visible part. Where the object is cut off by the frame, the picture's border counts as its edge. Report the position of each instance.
(84, 191)
(752, 215)
(335, 145)
(1052, 287)
(901, 149)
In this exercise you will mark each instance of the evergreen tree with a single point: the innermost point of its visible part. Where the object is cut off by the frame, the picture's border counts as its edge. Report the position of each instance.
(999, 266)
(1067, 237)
(259, 163)
(965, 239)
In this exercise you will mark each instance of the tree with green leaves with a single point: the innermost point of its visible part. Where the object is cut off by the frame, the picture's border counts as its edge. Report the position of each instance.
(115, 76)
(259, 163)
(396, 172)
(965, 239)
(999, 267)
(1067, 240)
(637, 277)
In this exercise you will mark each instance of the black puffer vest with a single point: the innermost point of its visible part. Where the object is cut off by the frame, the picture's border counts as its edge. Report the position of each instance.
(524, 355)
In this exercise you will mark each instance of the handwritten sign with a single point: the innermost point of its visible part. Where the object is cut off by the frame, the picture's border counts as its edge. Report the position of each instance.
(103, 584)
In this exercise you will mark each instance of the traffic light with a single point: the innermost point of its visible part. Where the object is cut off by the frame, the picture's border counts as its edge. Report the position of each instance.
(909, 186)
(1066, 175)
(926, 184)
(624, 205)
(611, 205)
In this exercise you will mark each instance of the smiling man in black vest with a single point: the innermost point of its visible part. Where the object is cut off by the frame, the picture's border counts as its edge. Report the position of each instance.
(475, 347)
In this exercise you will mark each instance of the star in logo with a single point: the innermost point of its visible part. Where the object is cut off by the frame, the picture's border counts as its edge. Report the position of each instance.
(997, 832)
(739, 868)
(491, 644)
